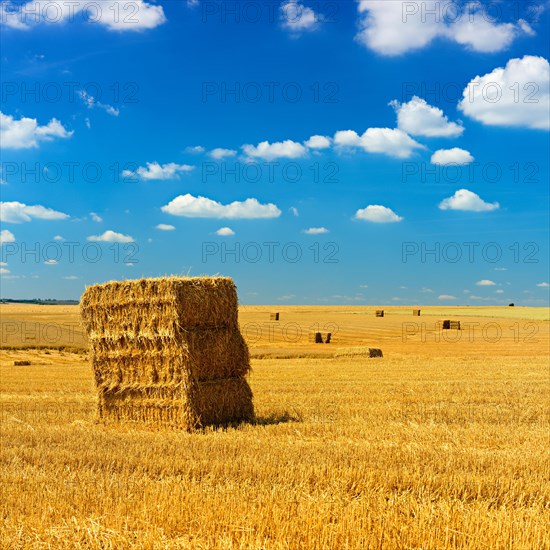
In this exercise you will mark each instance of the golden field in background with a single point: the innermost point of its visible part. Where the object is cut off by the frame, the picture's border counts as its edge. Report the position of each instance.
(442, 443)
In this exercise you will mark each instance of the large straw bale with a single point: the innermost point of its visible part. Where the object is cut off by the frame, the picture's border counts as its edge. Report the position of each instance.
(168, 351)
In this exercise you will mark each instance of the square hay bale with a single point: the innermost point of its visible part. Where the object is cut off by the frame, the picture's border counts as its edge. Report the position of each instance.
(316, 338)
(328, 338)
(379, 313)
(416, 313)
(21, 363)
(168, 351)
(375, 352)
(451, 325)
(274, 316)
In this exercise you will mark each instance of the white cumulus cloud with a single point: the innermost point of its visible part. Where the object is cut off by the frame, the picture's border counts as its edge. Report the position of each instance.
(318, 142)
(315, 230)
(419, 118)
(485, 282)
(18, 212)
(467, 201)
(543, 285)
(219, 153)
(96, 217)
(457, 156)
(165, 227)
(389, 141)
(516, 95)
(6, 237)
(271, 151)
(26, 133)
(396, 27)
(156, 171)
(446, 297)
(225, 232)
(116, 15)
(296, 17)
(203, 207)
(111, 237)
(377, 214)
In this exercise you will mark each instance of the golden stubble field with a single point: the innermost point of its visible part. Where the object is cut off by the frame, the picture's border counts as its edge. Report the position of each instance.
(442, 443)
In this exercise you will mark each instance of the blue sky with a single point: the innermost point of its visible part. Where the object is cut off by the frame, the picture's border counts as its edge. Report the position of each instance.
(317, 152)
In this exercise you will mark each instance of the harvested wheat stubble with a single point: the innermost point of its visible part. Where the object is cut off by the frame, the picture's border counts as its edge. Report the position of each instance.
(359, 352)
(168, 351)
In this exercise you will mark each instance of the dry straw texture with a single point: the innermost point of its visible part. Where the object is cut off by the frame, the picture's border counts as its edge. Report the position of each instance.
(168, 351)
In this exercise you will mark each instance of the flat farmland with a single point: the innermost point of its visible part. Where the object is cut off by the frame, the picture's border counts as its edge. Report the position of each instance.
(442, 443)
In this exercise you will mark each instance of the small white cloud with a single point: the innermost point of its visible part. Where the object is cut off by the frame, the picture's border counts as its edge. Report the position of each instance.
(219, 153)
(4, 271)
(88, 123)
(91, 102)
(156, 171)
(363, 286)
(318, 142)
(315, 230)
(446, 297)
(18, 212)
(6, 237)
(195, 150)
(26, 133)
(467, 292)
(388, 141)
(296, 17)
(111, 237)
(165, 227)
(95, 217)
(70, 278)
(225, 232)
(485, 282)
(501, 269)
(377, 214)
(456, 156)
(467, 201)
(58, 238)
(420, 119)
(426, 290)
(286, 297)
(516, 95)
(271, 151)
(3, 264)
(51, 262)
(543, 285)
(499, 291)
(294, 211)
(203, 207)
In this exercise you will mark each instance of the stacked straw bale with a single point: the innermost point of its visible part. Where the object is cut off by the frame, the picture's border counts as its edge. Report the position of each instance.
(379, 313)
(274, 316)
(451, 325)
(168, 351)
(416, 313)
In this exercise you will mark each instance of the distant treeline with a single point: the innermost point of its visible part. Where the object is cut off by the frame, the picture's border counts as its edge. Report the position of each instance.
(37, 301)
